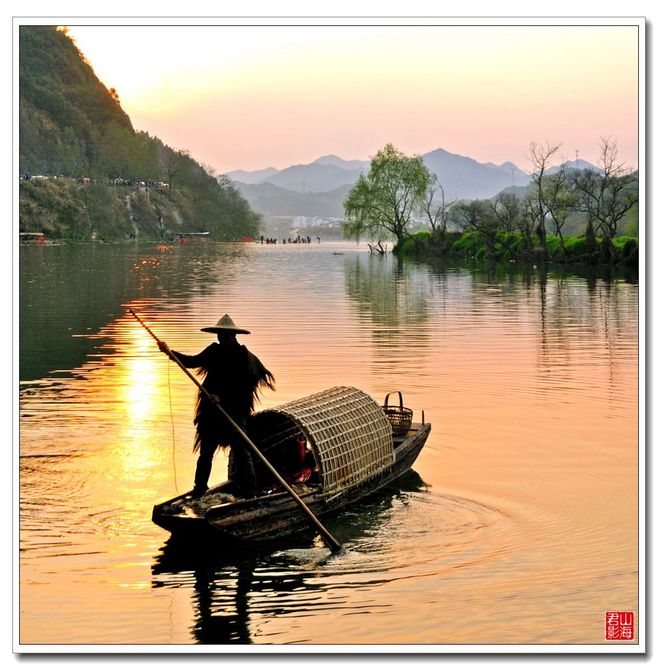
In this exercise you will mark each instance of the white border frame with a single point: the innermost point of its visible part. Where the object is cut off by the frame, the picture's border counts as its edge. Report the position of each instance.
(641, 630)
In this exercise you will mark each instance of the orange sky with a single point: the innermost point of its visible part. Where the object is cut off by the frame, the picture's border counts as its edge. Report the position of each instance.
(253, 96)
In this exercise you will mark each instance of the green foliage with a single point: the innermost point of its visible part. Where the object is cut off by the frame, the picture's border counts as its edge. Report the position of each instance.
(72, 126)
(621, 241)
(503, 246)
(382, 202)
(630, 223)
(63, 103)
(553, 247)
(574, 205)
(49, 207)
(468, 244)
(414, 244)
(573, 247)
(515, 245)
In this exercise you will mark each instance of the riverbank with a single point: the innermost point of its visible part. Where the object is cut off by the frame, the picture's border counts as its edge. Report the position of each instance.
(513, 247)
(64, 208)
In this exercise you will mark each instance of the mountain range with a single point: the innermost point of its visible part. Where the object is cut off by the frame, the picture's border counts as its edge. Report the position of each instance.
(320, 187)
(580, 164)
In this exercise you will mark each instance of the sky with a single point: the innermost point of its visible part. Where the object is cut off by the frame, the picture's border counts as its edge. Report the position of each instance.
(250, 97)
(141, 75)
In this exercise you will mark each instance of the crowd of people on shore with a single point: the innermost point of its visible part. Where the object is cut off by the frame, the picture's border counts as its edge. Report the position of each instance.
(305, 239)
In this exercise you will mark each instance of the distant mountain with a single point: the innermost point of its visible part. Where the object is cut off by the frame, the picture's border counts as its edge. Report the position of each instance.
(465, 178)
(254, 177)
(336, 161)
(518, 191)
(508, 167)
(272, 200)
(321, 176)
(314, 177)
(570, 167)
(580, 164)
(325, 182)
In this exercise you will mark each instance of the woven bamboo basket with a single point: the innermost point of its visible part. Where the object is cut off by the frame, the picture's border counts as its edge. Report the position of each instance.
(344, 427)
(400, 417)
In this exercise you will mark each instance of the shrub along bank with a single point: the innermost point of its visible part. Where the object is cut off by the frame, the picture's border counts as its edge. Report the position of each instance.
(505, 247)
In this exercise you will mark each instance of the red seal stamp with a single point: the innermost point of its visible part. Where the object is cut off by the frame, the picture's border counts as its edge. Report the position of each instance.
(620, 626)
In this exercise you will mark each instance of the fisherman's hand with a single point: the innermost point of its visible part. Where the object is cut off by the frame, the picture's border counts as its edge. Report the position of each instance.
(164, 348)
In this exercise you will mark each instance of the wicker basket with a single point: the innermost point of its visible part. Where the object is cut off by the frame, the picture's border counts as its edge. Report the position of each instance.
(400, 417)
(345, 429)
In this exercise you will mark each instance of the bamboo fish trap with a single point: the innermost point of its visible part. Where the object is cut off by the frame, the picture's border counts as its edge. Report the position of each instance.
(346, 430)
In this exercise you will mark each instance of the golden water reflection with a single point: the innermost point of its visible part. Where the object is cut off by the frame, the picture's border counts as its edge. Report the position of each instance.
(528, 507)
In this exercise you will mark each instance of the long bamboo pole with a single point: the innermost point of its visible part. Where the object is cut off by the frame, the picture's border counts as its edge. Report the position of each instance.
(331, 541)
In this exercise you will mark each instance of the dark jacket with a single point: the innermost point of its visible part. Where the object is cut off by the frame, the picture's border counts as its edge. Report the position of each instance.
(234, 374)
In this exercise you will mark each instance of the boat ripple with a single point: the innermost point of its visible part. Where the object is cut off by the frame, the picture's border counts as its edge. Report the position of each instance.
(408, 537)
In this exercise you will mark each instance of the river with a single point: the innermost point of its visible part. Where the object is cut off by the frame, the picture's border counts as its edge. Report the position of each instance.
(517, 526)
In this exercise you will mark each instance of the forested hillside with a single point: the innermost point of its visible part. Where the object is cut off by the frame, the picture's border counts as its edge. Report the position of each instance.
(86, 173)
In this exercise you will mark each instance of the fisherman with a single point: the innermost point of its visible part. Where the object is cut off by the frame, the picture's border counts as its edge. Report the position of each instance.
(234, 377)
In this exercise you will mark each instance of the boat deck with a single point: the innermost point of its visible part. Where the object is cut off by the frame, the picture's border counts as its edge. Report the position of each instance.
(275, 511)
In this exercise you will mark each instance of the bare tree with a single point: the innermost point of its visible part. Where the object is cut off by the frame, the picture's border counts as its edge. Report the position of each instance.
(607, 196)
(172, 165)
(527, 223)
(559, 201)
(224, 181)
(507, 212)
(584, 183)
(437, 212)
(540, 156)
(477, 216)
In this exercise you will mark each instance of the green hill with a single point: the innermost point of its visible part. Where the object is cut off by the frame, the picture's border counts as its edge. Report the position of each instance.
(98, 177)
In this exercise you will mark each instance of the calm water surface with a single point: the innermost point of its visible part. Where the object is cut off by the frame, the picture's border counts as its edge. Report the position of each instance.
(518, 523)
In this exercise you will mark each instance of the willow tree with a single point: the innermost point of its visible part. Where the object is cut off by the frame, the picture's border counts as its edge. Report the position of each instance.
(382, 201)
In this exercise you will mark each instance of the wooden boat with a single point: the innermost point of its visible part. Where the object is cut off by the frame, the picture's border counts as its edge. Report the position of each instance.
(333, 448)
(31, 238)
(185, 237)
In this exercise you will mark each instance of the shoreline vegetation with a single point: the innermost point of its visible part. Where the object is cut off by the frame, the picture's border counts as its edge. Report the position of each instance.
(566, 215)
(87, 174)
(113, 210)
(502, 247)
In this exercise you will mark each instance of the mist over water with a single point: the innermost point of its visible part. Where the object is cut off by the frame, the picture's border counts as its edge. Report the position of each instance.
(518, 523)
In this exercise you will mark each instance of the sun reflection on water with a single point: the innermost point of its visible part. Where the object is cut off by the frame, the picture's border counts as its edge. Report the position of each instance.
(530, 385)
(154, 403)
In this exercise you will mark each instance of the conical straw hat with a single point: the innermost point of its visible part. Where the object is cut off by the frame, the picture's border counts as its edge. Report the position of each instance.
(225, 324)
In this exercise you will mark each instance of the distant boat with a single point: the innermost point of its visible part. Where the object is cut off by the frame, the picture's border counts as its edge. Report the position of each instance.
(333, 448)
(32, 238)
(184, 237)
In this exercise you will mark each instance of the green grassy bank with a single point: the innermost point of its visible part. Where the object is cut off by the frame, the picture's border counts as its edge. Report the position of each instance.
(505, 247)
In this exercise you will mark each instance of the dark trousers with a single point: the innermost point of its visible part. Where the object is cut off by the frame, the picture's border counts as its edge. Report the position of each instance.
(240, 469)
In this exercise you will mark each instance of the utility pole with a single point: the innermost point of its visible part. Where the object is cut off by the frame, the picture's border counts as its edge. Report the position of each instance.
(577, 165)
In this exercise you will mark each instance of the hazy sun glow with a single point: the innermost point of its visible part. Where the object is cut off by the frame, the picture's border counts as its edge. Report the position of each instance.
(246, 97)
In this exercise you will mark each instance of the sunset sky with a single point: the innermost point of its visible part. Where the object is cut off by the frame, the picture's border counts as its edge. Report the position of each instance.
(249, 97)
